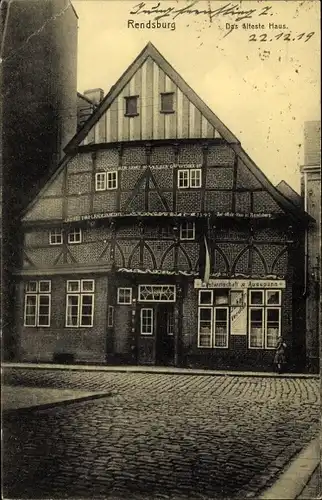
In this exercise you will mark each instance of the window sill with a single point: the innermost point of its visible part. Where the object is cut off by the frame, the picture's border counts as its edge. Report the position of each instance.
(132, 115)
(164, 112)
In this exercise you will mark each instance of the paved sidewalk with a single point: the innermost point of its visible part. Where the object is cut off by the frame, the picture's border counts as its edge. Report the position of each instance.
(156, 369)
(313, 489)
(21, 398)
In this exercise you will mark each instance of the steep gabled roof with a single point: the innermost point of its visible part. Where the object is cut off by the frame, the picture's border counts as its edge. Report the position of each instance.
(150, 51)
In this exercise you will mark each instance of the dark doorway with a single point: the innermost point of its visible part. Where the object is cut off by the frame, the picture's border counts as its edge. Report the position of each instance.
(165, 335)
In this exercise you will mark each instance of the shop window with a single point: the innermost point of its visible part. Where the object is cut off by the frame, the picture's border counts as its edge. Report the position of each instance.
(131, 106)
(37, 303)
(167, 102)
(75, 236)
(264, 318)
(146, 321)
(223, 312)
(205, 326)
(56, 237)
(124, 296)
(187, 230)
(80, 303)
(189, 178)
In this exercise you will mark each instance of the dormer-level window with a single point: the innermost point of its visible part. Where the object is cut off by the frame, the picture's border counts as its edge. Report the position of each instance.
(131, 106)
(56, 237)
(167, 100)
(75, 236)
(189, 178)
(106, 180)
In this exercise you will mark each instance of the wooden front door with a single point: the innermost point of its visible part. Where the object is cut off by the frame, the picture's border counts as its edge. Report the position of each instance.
(156, 334)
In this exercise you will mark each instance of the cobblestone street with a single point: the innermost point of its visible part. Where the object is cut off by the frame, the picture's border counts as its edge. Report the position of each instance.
(157, 436)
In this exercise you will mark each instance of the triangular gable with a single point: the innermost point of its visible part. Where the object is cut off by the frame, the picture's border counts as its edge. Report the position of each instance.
(150, 72)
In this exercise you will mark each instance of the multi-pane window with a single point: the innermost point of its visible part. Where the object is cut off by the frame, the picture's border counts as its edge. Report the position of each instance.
(264, 318)
(37, 303)
(189, 178)
(131, 106)
(100, 181)
(187, 230)
(157, 293)
(106, 180)
(80, 303)
(213, 318)
(75, 236)
(167, 102)
(111, 180)
(146, 321)
(56, 237)
(124, 295)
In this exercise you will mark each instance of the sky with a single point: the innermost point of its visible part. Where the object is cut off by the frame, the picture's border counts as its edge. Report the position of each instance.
(262, 81)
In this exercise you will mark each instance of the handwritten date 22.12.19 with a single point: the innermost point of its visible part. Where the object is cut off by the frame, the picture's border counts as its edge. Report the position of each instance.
(286, 37)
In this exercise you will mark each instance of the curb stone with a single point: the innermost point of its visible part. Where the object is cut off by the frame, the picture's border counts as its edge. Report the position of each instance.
(44, 406)
(292, 481)
(157, 370)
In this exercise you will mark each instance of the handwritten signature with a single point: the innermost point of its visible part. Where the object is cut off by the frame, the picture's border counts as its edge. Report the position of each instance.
(228, 9)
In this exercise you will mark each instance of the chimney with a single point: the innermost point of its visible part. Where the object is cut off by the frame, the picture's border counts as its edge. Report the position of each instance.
(94, 95)
(312, 143)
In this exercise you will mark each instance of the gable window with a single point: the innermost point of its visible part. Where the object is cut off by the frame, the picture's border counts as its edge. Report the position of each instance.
(124, 296)
(131, 106)
(106, 180)
(56, 237)
(183, 179)
(100, 181)
(37, 303)
(80, 303)
(75, 236)
(111, 181)
(187, 230)
(167, 102)
(189, 178)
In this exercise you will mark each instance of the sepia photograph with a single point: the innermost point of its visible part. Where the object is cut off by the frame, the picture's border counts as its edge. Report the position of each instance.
(160, 249)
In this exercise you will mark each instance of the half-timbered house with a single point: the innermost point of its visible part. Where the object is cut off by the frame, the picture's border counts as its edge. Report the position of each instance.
(158, 240)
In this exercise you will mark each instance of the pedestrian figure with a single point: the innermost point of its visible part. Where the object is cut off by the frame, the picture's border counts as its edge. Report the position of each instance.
(280, 358)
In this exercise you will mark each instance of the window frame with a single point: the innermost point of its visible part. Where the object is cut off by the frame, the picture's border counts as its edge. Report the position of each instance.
(118, 296)
(54, 233)
(74, 232)
(162, 109)
(37, 294)
(80, 293)
(206, 303)
(211, 309)
(108, 174)
(97, 181)
(225, 308)
(126, 107)
(187, 229)
(181, 176)
(265, 307)
(157, 300)
(194, 170)
(144, 309)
